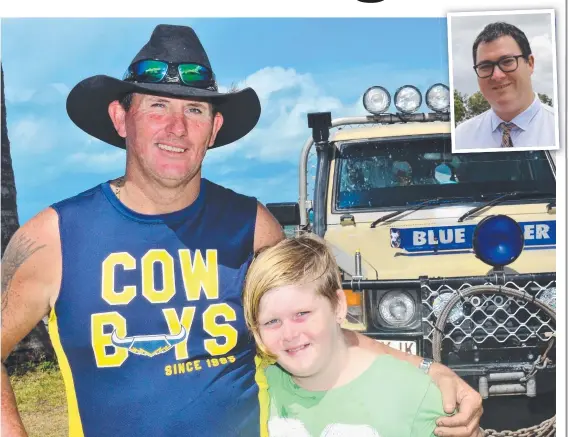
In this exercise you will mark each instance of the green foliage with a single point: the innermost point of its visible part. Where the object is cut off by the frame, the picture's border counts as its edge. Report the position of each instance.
(477, 104)
(466, 106)
(30, 366)
(459, 106)
(45, 366)
(545, 99)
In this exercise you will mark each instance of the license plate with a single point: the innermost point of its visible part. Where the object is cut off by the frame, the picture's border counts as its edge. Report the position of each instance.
(409, 347)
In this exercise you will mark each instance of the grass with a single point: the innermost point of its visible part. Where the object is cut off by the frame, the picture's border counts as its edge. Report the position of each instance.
(40, 395)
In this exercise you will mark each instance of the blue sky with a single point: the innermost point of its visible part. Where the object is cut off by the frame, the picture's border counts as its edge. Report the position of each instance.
(295, 65)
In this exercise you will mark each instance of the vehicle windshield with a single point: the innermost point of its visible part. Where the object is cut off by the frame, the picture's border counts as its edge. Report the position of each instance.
(398, 172)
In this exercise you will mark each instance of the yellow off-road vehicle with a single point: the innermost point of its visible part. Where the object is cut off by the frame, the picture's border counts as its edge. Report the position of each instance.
(446, 255)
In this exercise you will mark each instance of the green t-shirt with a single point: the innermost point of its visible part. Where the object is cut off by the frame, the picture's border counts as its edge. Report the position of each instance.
(391, 398)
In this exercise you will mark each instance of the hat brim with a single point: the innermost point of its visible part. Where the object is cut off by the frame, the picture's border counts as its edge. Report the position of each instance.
(88, 103)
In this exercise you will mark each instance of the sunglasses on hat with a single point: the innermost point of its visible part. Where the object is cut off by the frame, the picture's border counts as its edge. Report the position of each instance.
(155, 71)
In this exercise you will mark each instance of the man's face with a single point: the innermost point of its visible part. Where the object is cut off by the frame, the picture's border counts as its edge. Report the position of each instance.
(167, 138)
(506, 92)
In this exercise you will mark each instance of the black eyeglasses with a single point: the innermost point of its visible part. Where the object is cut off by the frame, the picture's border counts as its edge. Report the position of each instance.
(507, 65)
(155, 71)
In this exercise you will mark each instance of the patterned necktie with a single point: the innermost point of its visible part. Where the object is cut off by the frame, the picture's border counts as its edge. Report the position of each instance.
(506, 138)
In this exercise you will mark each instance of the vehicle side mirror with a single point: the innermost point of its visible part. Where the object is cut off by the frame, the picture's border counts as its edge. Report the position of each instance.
(287, 213)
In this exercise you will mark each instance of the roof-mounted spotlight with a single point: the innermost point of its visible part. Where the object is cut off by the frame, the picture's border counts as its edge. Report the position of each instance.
(377, 100)
(438, 98)
(408, 99)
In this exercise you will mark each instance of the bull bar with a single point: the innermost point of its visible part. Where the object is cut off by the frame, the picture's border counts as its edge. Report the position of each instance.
(495, 344)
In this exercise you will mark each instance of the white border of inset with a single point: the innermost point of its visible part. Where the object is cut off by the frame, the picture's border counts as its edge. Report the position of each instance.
(451, 15)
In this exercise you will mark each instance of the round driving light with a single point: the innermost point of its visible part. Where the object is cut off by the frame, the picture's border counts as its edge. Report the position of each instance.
(548, 296)
(498, 240)
(475, 301)
(377, 100)
(408, 99)
(438, 97)
(457, 312)
(397, 308)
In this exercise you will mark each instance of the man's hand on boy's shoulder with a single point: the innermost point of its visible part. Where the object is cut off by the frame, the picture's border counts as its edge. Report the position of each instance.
(457, 395)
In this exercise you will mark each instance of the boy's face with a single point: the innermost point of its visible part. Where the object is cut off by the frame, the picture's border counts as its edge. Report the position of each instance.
(301, 328)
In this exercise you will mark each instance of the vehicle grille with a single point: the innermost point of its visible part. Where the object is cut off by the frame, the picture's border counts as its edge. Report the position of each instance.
(493, 327)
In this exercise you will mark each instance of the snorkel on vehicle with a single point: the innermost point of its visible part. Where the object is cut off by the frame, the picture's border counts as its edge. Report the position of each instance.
(450, 256)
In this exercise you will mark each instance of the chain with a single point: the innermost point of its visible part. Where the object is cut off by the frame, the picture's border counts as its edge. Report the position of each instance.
(541, 362)
(544, 429)
(118, 185)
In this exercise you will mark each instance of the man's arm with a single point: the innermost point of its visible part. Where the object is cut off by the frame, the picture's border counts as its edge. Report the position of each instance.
(31, 274)
(268, 230)
(11, 422)
(456, 393)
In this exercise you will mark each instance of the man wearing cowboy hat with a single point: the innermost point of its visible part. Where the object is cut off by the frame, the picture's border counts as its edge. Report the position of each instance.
(141, 276)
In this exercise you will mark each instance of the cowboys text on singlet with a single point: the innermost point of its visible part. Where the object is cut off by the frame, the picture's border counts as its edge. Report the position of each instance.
(149, 324)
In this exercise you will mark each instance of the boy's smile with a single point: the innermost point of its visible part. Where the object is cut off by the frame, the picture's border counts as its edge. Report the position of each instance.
(301, 328)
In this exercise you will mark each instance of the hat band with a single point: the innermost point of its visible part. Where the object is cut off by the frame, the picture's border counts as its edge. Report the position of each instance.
(155, 71)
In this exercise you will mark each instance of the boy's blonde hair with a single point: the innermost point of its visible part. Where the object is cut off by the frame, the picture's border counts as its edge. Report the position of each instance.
(294, 261)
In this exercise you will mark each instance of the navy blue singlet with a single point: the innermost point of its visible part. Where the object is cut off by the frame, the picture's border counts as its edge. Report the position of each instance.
(149, 326)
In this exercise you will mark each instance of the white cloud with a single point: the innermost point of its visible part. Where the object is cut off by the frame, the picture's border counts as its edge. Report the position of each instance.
(97, 162)
(52, 93)
(31, 135)
(18, 95)
(272, 79)
(287, 96)
(283, 138)
(542, 80)
(61, 87)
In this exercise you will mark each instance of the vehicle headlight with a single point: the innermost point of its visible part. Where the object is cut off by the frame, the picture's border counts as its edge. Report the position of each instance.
(548, 296)
(377, 100)
(396, 308)
(457, 312)
(408, 99)
(438, 98)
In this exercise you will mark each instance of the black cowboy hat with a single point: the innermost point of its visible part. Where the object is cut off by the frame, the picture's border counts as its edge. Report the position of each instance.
(88, 101)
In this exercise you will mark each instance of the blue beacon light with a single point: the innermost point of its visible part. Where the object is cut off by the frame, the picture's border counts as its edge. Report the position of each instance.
(498, 240)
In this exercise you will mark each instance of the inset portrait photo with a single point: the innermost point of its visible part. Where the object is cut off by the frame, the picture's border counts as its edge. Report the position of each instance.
(503, 75)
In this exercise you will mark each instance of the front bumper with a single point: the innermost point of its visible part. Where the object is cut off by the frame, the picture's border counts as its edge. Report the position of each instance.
(496, 340)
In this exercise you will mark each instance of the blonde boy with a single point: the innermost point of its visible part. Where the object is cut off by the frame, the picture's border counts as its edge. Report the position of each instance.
(324, 383)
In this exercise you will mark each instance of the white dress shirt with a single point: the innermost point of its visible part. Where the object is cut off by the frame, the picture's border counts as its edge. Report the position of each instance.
(535, 128)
